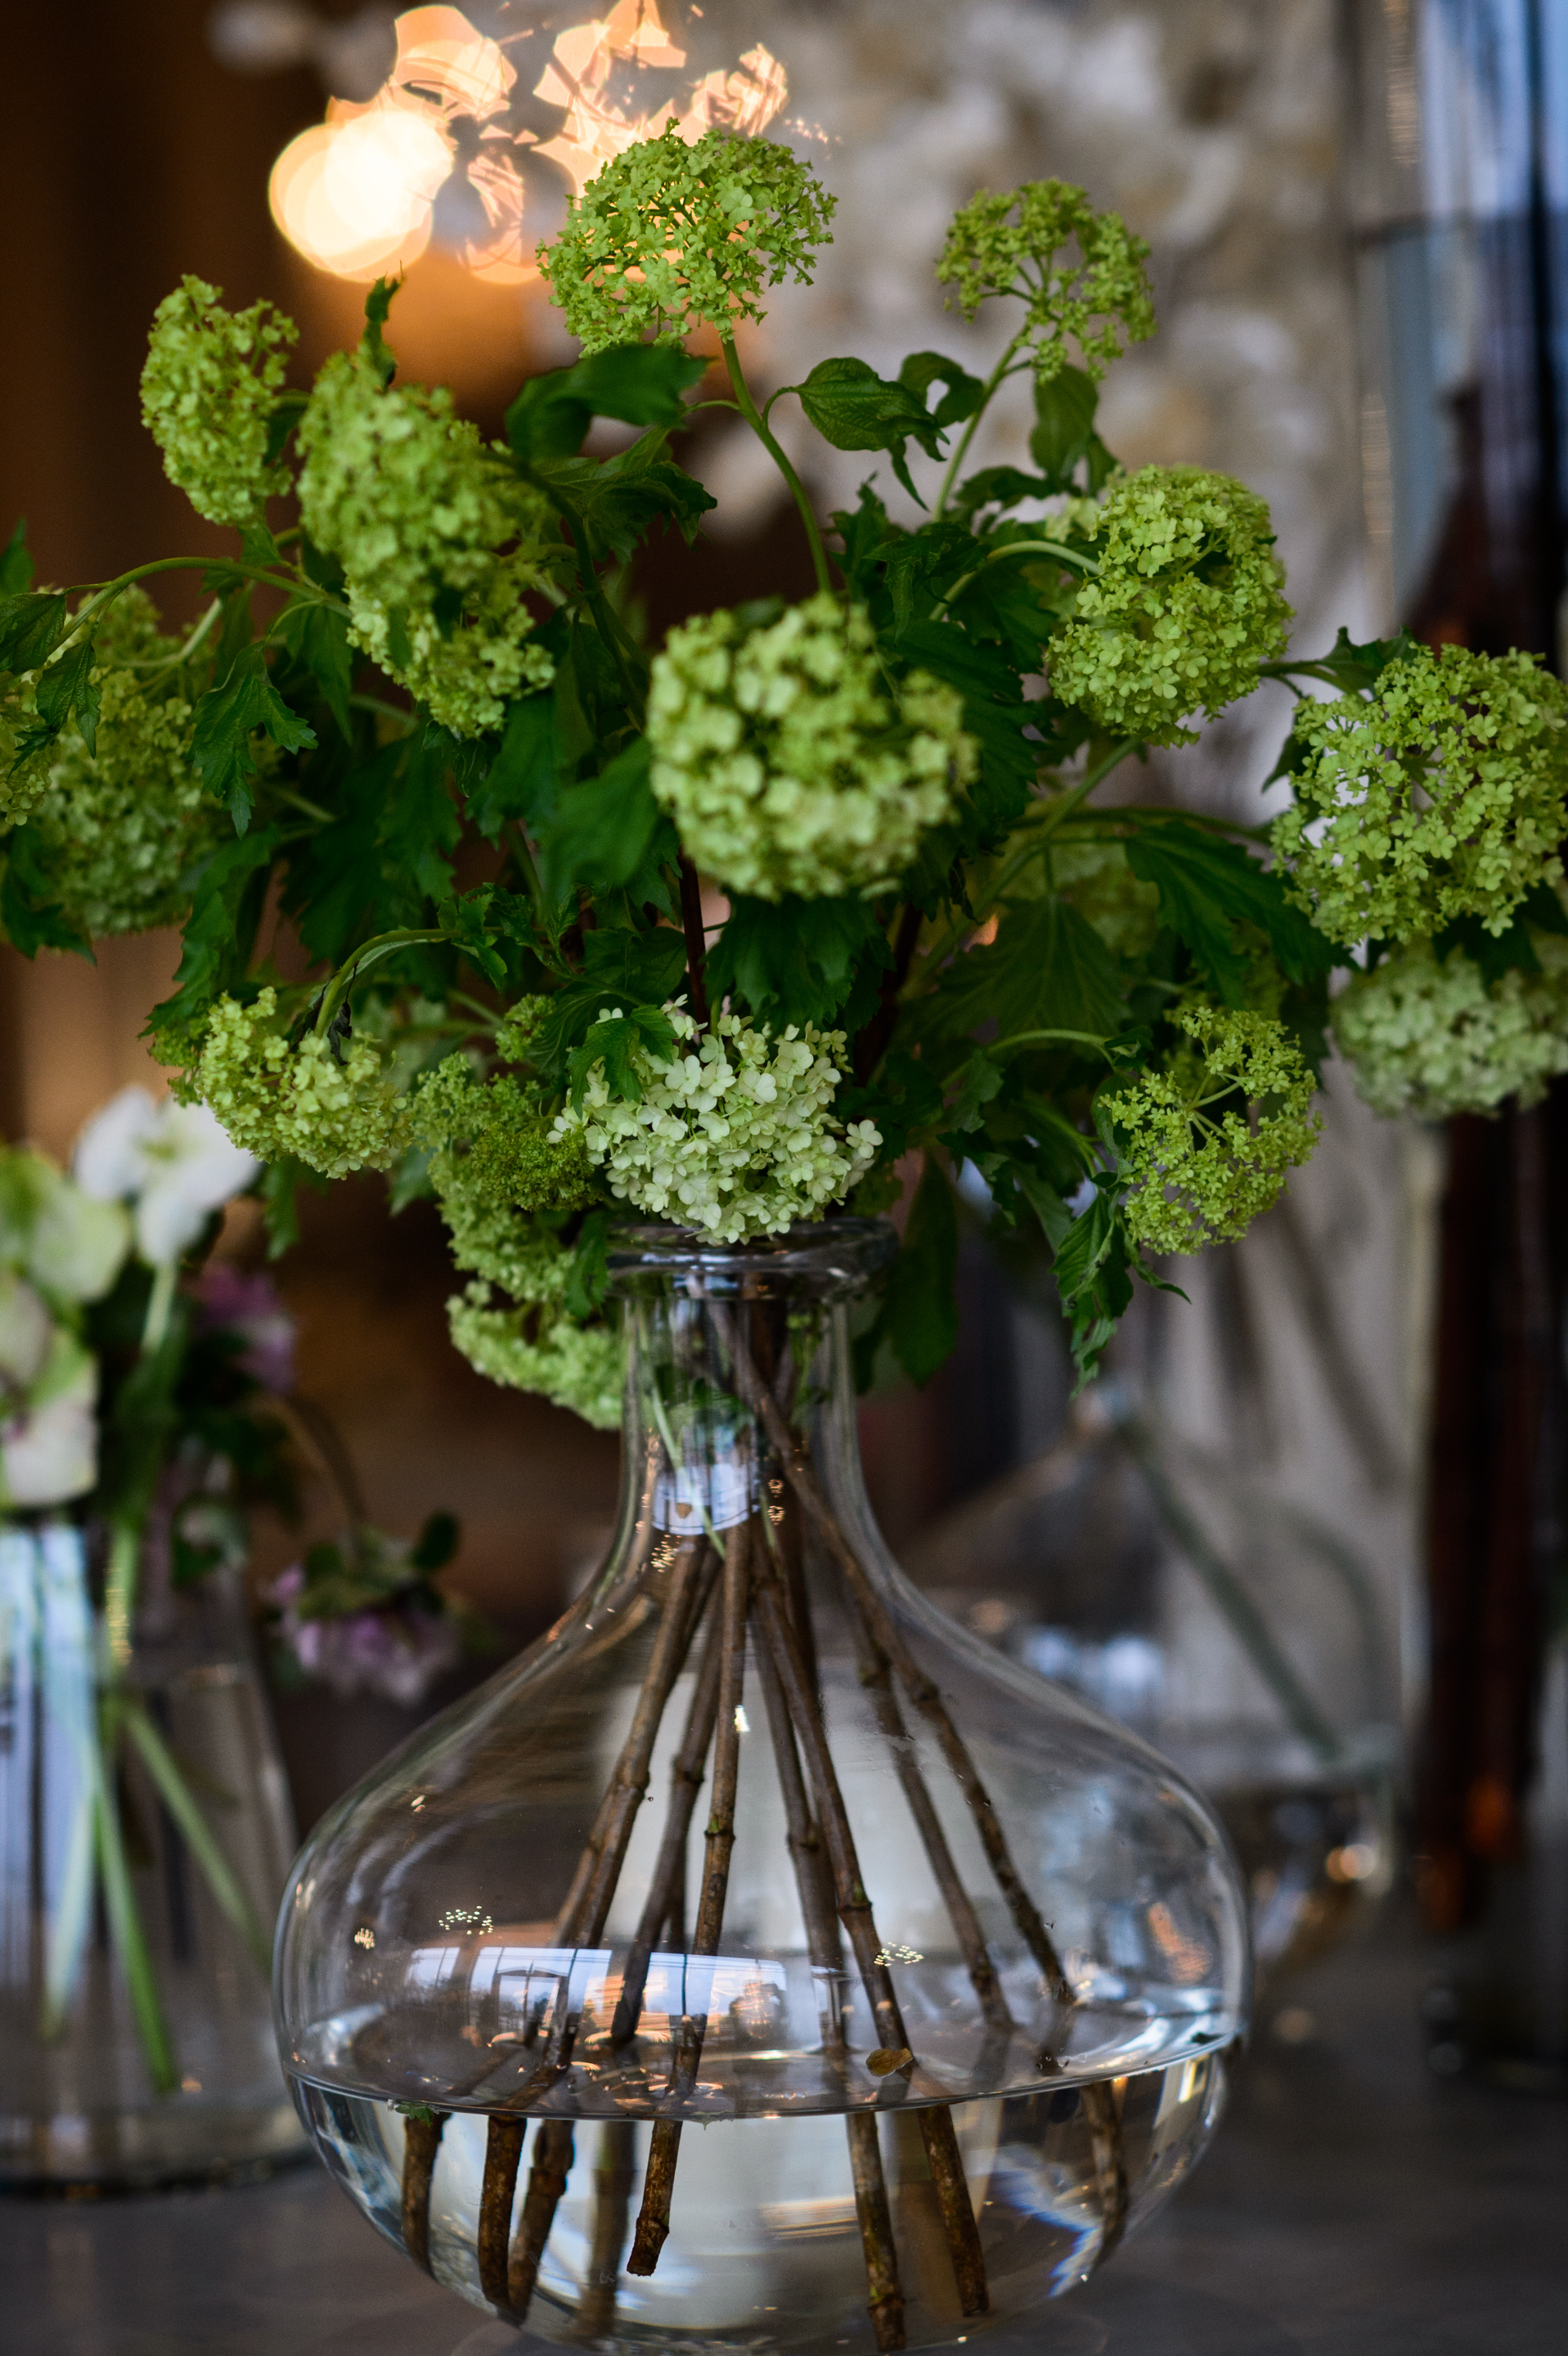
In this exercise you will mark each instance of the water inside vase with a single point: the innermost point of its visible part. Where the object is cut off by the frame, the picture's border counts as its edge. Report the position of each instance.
(764, 2252)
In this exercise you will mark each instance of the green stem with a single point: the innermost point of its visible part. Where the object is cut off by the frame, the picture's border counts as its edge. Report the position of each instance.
(160, 1301)
(130, 1940)
(177, 1797)
(119, 1593)
(758, 425)
(106, 592)
(182, 654)
(343, 980)
(1017, 547)
(1001, 369)
(382, 709)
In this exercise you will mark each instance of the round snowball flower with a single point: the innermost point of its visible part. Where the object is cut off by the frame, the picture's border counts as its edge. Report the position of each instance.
(1442, 794)
(1187, 602)
(788, 759)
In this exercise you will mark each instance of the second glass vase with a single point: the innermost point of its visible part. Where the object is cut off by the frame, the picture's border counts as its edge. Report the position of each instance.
(760, 1962)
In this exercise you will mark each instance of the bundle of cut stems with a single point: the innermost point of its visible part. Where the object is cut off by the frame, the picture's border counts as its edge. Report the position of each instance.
(724, 1595)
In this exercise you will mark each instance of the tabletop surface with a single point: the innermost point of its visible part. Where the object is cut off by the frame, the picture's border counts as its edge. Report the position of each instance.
(1351, 2205)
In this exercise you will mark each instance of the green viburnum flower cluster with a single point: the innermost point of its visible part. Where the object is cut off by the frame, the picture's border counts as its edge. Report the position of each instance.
(208, 390)
(492, 1143)
(1009, 245)
(1443, 794)
(438, 541)
(124, 823)
(528, 1342)
(734, 1135)
(1189, 601)
(788, 762)
(1430, 1036)
(328, 1105)
(1192, 1178)
(670, 237)
(493, 1157)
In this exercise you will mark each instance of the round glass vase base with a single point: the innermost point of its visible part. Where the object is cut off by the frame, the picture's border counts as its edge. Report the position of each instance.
(765, 2252)
(185, 2139)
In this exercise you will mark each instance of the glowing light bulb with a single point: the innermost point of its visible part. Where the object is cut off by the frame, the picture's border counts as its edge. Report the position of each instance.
(357, 194)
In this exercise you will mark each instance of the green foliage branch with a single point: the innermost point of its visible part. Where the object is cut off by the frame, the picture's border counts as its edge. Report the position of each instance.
(417, 734)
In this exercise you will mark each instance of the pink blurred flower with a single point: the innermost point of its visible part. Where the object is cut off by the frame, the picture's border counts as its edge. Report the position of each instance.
(399, 1653)
(235, 1303)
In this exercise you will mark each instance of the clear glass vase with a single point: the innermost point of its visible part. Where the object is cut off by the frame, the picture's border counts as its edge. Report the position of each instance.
(144, 1837)
(760, 1962)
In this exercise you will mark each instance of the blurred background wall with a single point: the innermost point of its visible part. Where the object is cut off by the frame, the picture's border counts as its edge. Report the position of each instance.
(1216, 127)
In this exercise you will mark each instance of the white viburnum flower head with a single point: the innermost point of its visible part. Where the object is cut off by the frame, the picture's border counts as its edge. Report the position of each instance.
(174, 1164)
(734, 1135)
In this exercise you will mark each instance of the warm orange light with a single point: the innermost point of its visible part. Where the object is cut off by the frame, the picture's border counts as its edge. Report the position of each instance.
(357, 194)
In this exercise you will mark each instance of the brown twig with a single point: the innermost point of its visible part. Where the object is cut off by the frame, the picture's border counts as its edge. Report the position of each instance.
(611, 2207)
(580, 1922)
(1099, 2104)
(876, 1678)
(1104, 2117)
(813, 1880)
(546, 2183)
(421, 2141)
(855, 1913)
(658, 2182)
(503, 2152)
(667, 1890)
(921, 1689)
(884, 2292)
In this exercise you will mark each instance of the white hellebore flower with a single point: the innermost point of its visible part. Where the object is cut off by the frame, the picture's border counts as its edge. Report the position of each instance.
(49, 1391)
(174, 1163)
(50, 1232)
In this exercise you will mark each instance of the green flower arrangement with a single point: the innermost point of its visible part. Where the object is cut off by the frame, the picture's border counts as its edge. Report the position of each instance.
(936, 941)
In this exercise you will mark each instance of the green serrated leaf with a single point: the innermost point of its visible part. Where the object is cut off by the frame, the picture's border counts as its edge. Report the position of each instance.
(601, 831)
(30, 917)
(225, 719)
(66, 685)
(31, 627)
(618, 501)
(614, 1041)
(16, 564)
(589, 1280)
(1206, 885)
(963, 394)
(521, 782)
(226, 900)
(287, 411)
(996, 486)
(794, 960)
(1047, 970)
(619, 967)
(640, 384)
(1064, 406)
(318, 637)
(855, 409)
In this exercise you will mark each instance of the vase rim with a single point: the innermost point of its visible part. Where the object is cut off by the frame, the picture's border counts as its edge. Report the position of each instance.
(828, 1258)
